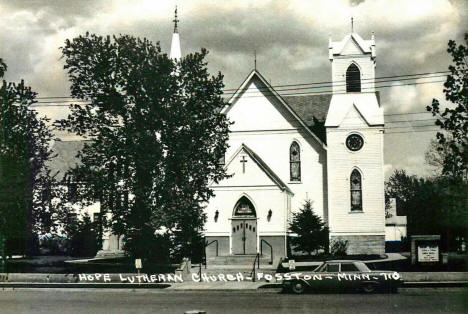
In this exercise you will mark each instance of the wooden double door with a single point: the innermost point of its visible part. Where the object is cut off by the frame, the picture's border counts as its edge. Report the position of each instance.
(244, 236)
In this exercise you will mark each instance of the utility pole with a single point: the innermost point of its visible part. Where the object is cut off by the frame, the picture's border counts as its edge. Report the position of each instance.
(2, 169)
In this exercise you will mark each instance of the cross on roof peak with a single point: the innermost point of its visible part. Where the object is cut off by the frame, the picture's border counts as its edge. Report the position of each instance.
(175, 20)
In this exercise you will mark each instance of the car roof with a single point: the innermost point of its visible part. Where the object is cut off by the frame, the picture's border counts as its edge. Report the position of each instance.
(342, 261)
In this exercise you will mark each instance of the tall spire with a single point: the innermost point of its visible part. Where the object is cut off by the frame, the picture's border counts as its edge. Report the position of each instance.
(175, 45)
(352, 24)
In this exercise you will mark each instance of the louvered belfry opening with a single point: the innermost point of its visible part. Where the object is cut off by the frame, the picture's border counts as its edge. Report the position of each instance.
(353, 79)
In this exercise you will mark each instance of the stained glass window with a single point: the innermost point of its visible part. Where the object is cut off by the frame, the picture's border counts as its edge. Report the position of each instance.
(356, 190)
(295, 162)
(354, 142)
(244, 208)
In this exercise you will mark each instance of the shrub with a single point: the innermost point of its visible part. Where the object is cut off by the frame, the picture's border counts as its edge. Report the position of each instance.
(312, 234)
(339, 247)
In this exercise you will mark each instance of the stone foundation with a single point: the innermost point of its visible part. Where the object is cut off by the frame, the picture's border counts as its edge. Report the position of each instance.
(363, 244)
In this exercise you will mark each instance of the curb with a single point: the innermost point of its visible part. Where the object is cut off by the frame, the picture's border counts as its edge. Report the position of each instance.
(434, 284)
(84, 285)
(266, 287)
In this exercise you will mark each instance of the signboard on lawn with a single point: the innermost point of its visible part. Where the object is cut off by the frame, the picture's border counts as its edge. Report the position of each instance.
(425, 249)
(428, 253)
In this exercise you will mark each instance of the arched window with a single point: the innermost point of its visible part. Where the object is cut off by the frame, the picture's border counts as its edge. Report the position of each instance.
(353, 79)
(295, 162)
(244, 207)
(356, 190)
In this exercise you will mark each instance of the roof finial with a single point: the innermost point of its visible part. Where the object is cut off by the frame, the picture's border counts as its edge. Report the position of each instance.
(175, 20)
(255, 60)
(352, 24)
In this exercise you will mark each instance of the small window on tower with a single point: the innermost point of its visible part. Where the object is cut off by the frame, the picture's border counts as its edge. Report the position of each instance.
(353, 79)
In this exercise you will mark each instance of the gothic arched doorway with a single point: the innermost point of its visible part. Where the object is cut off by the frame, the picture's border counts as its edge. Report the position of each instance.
(244, 227)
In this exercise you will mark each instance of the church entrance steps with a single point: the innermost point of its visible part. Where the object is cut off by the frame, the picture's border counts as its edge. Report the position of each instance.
(237, 260)
(243, 267)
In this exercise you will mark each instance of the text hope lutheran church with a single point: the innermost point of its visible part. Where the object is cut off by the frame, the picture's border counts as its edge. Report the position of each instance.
(277, 161)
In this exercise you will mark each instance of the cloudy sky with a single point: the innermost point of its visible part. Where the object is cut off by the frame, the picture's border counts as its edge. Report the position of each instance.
(290, 37)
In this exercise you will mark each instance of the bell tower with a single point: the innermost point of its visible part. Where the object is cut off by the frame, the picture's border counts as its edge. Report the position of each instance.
(355, 126)
(353, 64)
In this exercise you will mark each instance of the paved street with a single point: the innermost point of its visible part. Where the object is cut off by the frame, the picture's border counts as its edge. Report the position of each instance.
(414, 300)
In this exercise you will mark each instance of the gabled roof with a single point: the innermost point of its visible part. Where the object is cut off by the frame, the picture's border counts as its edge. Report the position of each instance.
(308, 107)
(261, 164)
(338, 46)
(365, 103)
(255, 74)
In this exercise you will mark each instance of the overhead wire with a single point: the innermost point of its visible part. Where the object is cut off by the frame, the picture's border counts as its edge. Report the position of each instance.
(310, 86)
(263, 94)
(329, 83)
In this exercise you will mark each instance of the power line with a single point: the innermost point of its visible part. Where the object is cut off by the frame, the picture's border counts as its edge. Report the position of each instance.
(414, 131)
(410, 126)
(329, 92)
(343, 81)
(400, 121)
(344, 84)
(372, 80)
(296, 88)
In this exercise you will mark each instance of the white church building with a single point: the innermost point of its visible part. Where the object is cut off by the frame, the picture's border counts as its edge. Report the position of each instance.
(277, 161)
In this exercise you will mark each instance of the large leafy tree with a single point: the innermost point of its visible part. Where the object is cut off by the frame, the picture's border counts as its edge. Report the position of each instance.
(432, 205)
(454, 119)
(155, 138)
(312, 233)
(26, 206)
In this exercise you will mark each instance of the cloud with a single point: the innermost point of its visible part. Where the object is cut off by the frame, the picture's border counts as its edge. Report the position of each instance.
(290, 37)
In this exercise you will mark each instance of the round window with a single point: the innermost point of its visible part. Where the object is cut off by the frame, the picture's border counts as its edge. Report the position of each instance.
(354, 142)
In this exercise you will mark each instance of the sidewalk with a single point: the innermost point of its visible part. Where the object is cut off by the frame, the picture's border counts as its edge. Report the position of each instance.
(219, 286)
(415, 279)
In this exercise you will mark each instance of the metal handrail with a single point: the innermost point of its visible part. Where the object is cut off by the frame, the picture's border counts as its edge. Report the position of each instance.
(271, 249)
(204, 251)
(253, 272)
(207, 244)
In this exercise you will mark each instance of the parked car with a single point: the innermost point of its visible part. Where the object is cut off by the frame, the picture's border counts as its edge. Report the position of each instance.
(339, 275)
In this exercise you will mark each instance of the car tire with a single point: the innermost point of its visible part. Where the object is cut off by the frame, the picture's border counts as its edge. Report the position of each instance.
(369, 287)
(298, 287)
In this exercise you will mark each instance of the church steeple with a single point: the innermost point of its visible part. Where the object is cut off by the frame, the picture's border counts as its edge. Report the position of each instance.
(175, 45)
(353, 59)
